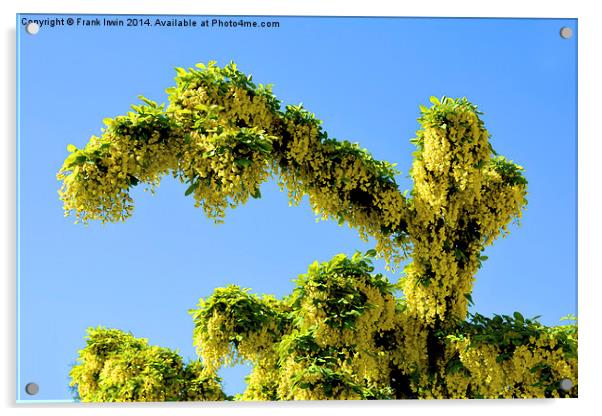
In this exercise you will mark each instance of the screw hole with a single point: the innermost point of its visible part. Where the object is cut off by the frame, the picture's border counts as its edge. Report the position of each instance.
(565, 384)
(566, 32)
(32, 389)
(32, 28)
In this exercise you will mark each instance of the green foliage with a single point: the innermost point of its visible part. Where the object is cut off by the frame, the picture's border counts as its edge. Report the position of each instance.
(247, 313)
(441, 116)
(510, 172)
(509, 332)
(117, 367)
(333, 288)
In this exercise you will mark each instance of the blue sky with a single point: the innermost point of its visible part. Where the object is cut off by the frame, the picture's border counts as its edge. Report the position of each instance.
(365, 78)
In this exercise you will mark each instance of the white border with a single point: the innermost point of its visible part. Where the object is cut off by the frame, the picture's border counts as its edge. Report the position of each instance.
(590, 69)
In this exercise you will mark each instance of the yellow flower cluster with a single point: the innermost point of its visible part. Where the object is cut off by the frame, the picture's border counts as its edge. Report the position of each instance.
(462, 199)
(262, 383)
(532, 370)
(224, 136)
(117, 367)
(232, 326)
(342, 336)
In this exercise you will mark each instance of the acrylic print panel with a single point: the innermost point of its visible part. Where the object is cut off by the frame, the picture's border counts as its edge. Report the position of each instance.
(417, 242)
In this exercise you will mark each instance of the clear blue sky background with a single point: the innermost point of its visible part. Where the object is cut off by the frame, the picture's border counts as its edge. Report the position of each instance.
(365, 78)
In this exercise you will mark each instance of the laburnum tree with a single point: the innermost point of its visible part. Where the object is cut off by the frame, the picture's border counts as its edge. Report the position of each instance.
(343, 333)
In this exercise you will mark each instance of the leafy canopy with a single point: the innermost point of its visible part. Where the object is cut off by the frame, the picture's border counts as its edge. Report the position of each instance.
(342, 333)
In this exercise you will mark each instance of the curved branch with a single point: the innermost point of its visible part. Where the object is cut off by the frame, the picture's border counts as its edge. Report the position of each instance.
(224, 136)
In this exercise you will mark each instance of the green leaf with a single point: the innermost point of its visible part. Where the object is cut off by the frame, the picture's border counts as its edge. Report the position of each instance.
(71, 148)
(243, 162)
(107, 121)
(459, 254)
(80, 160)
(265, 147)
(70, 161)
(256, 194)
(434, 100)
(191, 188)
(371, 253)
(147, 101)
(132, 180)
(468, 297)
